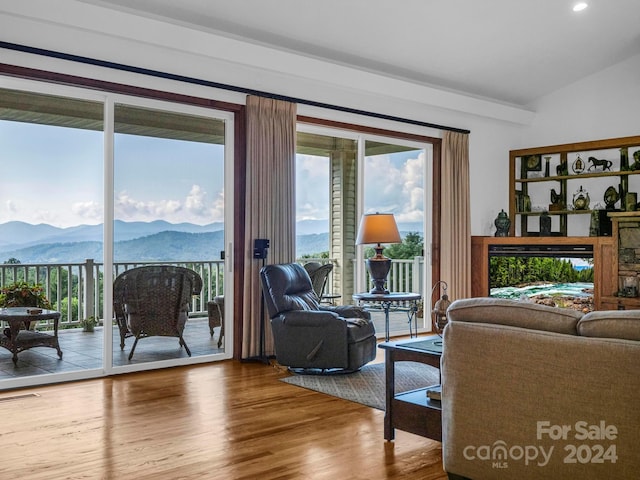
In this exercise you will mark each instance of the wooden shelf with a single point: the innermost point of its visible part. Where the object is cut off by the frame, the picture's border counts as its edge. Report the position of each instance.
(577, 176)
(526, 181)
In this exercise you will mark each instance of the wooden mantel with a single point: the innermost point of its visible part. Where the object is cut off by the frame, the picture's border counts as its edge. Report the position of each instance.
(604, 272)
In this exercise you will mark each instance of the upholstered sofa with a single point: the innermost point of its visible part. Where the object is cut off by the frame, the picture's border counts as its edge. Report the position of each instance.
(536, 392)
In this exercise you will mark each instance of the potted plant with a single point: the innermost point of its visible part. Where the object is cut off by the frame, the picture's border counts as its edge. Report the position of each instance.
(23, 294)
(88, 324)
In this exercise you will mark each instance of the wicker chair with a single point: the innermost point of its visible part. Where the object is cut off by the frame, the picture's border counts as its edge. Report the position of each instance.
(319, 275)
(154, 301)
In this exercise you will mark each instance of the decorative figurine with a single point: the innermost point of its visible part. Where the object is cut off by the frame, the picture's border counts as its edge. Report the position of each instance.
(545, 224)
(556, 201)
(595, 163)
(611, 196)
(581, 199)
(562, 169)
(502, 224)
(636, 164)
(578, 165)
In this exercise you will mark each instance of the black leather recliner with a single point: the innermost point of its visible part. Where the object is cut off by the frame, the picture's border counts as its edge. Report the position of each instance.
(311, 337)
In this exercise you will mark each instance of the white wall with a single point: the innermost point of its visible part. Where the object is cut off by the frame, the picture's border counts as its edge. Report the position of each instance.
(603, 105)
(76, 28)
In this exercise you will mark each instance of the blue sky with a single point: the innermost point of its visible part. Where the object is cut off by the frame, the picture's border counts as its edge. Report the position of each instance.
(56, 177)
(393, 183)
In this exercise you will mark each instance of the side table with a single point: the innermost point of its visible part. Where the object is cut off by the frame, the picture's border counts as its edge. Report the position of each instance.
(18, 340)
(412, 411)
(386, 299)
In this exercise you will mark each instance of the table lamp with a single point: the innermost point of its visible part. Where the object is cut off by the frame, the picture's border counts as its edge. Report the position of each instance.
(378, 228)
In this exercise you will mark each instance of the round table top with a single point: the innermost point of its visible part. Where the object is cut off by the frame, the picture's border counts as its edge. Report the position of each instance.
(9, 313)
(387, 297)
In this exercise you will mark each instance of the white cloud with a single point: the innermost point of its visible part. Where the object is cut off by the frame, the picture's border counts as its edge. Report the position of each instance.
(193, 208)
(196, 201)
(397, 187)
(90, 211)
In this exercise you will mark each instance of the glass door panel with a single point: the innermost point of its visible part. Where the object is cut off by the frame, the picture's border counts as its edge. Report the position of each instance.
(51, 216)
(326, 172)
(169, 204)
(394, 182)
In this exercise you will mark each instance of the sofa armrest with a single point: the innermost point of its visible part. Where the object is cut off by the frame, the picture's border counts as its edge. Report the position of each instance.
(507, 390)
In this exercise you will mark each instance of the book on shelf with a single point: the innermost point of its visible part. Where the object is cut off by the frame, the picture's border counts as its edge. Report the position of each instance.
(435, 393)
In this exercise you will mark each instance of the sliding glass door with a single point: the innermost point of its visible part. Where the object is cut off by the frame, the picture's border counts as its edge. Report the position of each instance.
(51, 212)
(93, 185)
(169, 209)
(341, 175)
(396, 178)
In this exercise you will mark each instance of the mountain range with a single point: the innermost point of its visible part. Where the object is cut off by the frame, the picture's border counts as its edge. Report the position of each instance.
(140, 241)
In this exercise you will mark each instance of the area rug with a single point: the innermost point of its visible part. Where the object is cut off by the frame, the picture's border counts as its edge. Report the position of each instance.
(367, 386)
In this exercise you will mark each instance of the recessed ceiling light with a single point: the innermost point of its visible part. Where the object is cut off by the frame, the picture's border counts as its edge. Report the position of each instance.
(578, 7)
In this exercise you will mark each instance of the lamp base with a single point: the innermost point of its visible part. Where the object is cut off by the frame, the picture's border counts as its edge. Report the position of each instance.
(378, 267)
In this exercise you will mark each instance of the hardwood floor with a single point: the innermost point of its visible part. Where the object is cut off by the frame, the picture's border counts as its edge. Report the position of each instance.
(225, 420)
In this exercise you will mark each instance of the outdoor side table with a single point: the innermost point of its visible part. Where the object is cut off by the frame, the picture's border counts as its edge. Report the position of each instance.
(17, 340)
(386, 300)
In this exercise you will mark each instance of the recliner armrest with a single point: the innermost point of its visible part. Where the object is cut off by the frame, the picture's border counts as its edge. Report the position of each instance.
(310, 318)
(347, 311)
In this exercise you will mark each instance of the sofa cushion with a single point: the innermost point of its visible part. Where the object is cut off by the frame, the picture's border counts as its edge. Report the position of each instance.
(624, 324)
(516, 314)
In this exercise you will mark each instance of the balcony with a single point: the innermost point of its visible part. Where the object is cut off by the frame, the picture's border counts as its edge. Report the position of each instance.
(80, 285)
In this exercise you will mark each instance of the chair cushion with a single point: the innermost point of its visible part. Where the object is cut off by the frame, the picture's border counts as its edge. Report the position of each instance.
(623, 324)
(516, 314)
(287, 287)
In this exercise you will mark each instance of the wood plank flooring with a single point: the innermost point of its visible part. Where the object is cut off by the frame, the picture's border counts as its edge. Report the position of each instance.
(228, 420)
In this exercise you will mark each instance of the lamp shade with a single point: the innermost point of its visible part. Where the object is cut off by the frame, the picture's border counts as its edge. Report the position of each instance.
(378, 228)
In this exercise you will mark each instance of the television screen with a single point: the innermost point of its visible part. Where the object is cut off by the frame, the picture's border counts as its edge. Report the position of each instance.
(542, 277)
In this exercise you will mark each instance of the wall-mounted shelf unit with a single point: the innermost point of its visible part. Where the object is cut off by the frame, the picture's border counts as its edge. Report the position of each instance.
(572, 180)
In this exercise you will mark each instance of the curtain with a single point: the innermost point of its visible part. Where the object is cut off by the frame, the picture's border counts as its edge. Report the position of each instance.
(455, 257)
(269, 208)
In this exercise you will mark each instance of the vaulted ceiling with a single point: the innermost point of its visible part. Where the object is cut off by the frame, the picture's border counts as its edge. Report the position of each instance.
(509, 51)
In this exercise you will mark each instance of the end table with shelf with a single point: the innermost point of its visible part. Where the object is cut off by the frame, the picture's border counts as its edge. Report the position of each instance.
(412, 411)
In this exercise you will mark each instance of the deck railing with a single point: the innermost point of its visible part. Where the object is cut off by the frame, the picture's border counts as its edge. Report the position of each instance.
(75, 289)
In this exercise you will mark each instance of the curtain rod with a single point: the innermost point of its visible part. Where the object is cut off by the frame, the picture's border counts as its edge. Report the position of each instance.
(222, 86)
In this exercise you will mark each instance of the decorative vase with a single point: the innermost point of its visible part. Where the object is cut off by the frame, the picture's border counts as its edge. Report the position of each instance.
(502, 224)
(630, 202)
(545, 224)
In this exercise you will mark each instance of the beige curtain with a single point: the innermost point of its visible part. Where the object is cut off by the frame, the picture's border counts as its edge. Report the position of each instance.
(455, 256)
(269, 208)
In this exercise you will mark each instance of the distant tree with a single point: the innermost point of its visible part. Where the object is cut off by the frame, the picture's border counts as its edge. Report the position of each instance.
(324, 254)
(12, 261)
(412, 246)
